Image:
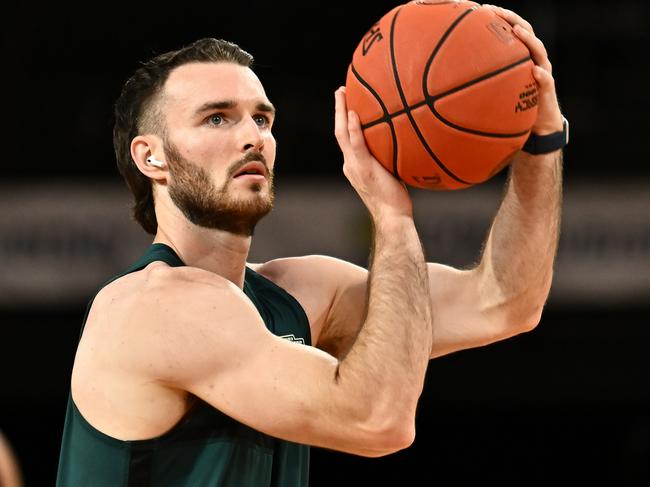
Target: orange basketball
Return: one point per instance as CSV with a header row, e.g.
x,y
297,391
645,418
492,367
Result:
x,y
445,93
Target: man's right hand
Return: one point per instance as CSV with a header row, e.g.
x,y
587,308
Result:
x,y
380,191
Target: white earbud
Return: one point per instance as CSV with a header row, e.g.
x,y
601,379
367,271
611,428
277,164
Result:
x,y
152,161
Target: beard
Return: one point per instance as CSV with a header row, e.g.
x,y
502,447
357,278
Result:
x,y
205,205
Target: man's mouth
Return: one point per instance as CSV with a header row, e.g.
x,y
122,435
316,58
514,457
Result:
x,y
253,168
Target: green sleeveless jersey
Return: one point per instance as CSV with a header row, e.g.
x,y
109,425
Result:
x,y
206,448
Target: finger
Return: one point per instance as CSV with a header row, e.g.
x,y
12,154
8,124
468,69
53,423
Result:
x,y
511,17
536,47
357,140
551,121
544,79
341,119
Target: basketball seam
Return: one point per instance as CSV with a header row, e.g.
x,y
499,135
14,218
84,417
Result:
x,y
389,121
432,100
467,84
434,53
389,116
403,98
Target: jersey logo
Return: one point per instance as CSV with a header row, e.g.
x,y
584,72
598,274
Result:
x,y
293,338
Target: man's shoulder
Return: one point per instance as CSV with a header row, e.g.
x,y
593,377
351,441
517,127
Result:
x,y
315,281
291,270
159,276
160,283
159,305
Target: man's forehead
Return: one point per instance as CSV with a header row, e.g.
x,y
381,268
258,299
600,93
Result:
x,y
191,85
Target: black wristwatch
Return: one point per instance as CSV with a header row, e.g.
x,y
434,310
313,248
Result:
x,y
543,144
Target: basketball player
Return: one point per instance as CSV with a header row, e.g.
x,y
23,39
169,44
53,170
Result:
x,y
196,368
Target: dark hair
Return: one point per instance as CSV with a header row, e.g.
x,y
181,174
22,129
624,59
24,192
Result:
x,y
137,112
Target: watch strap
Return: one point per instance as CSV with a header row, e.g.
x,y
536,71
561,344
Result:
x,y
543,144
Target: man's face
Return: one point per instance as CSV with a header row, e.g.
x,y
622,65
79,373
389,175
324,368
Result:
x,y
219,145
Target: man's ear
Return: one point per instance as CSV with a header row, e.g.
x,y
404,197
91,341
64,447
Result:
x,y
144,149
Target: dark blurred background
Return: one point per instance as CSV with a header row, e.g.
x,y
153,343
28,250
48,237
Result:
x,y
566,404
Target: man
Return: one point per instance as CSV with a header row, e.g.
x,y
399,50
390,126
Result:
x,y
195,368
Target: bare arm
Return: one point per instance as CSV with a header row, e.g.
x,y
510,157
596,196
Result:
x,y
502,296
397,332
512,281
505,294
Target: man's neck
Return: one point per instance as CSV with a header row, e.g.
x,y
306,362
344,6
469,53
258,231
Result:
x,y
216,251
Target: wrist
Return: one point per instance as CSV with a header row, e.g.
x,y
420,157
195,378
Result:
x,y
547,139
392,223
389,213
556,124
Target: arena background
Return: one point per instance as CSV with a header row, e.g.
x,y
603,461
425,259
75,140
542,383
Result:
x,y
566,404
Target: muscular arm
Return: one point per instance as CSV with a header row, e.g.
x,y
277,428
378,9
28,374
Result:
x,y
519,253
364,403
504,295
513,278
397,332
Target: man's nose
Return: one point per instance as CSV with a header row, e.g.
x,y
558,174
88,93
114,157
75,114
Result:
x,y
251,137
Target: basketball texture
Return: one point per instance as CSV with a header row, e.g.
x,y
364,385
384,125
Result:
x,y
445,93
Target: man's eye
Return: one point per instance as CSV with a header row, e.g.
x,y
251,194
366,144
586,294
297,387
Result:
x,y
262,120
215,119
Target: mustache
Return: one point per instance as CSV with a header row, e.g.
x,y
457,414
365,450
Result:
x,y
250,157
